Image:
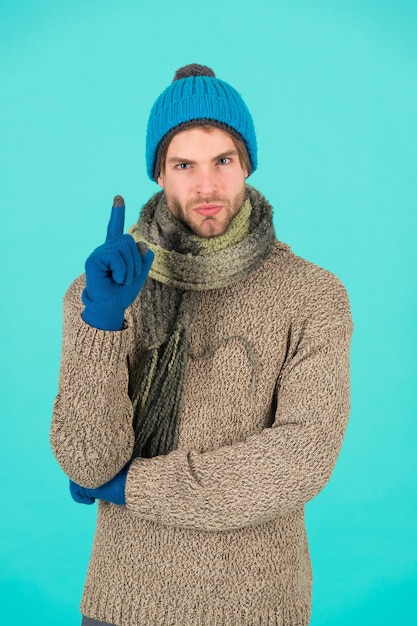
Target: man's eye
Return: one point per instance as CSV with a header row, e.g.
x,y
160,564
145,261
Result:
x,y
183,166
224,161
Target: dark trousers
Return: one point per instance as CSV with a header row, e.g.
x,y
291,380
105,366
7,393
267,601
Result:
x,y
87,621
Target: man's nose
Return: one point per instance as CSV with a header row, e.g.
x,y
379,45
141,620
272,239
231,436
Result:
x,y
206,182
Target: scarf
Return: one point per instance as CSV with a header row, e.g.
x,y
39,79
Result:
x,y
184,264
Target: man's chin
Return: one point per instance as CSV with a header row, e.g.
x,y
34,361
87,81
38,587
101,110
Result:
x,y
210,227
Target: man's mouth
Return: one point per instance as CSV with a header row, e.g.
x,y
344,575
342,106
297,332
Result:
x,y
208,209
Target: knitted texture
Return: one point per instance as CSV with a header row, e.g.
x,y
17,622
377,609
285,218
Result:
x,y
191,268
202,99
212,533
184,265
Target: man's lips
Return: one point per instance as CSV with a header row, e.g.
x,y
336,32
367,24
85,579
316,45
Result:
x,y
208,209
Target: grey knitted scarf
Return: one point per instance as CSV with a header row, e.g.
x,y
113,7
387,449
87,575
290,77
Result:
x,y
184,265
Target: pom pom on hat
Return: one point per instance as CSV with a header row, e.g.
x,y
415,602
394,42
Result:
x,y
195,97
194,69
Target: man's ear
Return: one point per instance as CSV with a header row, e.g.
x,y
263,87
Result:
x,y
160,181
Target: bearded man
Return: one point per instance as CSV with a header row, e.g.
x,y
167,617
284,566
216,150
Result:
x,y
204,386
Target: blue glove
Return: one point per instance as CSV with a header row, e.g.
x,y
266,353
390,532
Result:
x,y
115,273
113,491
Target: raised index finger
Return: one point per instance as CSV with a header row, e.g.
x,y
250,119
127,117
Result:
x,y
117,219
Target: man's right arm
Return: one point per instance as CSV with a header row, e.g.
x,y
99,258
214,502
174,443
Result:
x,y
91,433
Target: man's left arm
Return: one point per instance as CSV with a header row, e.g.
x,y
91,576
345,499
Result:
x,y
270,473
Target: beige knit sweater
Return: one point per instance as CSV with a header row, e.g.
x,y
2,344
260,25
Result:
x,y
213,533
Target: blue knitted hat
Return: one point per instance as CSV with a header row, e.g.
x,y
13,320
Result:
x,y
196,97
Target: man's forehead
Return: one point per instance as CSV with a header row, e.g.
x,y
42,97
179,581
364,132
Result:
x,y
201,138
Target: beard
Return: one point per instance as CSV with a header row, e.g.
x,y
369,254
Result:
x,y
207,226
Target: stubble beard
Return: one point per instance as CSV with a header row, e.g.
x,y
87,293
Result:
x,y
210,226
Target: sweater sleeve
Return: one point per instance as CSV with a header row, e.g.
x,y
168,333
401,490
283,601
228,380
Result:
x,y
91,432
277,470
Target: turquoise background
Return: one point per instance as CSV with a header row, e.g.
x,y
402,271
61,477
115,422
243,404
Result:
x,y
332,87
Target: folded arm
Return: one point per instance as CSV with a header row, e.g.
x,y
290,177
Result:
x,y
271,473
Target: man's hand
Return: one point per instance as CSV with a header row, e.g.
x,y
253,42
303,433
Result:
x,y
115,273
113,491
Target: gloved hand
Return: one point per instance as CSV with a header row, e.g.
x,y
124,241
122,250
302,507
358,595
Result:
x,y
115,273
113,491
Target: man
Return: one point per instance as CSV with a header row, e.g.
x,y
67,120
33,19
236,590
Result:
x,y
204,386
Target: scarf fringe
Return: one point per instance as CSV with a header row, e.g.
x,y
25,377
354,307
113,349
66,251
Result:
x,y
156,426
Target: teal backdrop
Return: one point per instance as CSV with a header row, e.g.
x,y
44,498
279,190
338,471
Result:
x,y
332,86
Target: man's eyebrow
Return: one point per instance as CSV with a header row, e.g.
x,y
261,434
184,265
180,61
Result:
x,y
178,159
222,155
228,153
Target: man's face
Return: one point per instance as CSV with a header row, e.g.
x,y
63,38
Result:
x,y
203,180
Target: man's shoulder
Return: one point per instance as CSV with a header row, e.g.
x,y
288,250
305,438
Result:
x,y
303,284
286,262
